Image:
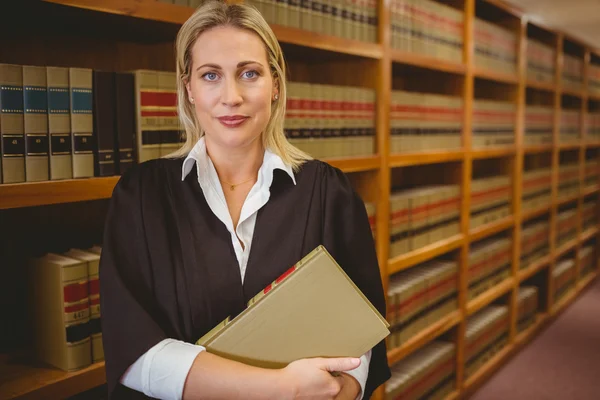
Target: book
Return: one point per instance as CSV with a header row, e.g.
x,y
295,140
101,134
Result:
x,y
312,310
60,311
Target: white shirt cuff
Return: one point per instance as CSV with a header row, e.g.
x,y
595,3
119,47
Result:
x,y
361,373
161,371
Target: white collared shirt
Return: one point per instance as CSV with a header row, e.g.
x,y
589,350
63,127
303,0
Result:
x,y
161,372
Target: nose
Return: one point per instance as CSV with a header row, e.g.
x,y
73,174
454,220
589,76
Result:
x,y
231,95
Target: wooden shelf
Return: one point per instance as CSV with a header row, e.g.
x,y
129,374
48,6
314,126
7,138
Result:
x,y
453,396
488,368
591,190
330,43
355,164
20,380
572,92
29,194
164,12
592,145
594,96
529,333
566,200
550,87
527,215
570,245
489,296
430,157
491,229
145,9
495,76
423,254
570,146
564,302
431,63
534,268
541,148
493,153
588,234
423,337
581,285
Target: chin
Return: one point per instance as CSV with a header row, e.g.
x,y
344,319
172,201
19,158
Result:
x,y
234,139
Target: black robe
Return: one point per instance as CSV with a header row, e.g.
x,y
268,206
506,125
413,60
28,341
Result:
x,y
168,268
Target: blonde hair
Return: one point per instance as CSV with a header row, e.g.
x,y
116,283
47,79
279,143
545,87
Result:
x,y
213,14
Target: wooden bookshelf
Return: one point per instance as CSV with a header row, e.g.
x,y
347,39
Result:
x,y
550,87
25,380
430,157
55,192
423,254
424,337
426,62
377,67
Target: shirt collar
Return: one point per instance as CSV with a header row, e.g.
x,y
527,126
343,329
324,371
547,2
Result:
x,y
198,155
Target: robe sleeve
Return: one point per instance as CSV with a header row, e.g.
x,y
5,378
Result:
x,y
347,236
129,314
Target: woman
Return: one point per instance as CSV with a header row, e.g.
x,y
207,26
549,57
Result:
x,y
191,238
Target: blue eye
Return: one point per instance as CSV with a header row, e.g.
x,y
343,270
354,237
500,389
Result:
x,y
250,74
210,76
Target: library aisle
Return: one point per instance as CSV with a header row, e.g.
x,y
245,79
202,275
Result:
x,y
561,363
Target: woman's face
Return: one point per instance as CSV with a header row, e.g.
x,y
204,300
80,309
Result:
x,y
231,86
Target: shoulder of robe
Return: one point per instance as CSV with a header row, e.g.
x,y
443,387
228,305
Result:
x,y
149,175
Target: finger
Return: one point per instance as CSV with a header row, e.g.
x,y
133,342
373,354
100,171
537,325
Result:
x,y
341,364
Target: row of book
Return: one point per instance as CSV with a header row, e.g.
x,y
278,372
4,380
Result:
x,y
490,200
587,261
425,121
535,242
566,226
592,172
493,123
527,307
594,78
541,61
427,373
539,124
427,28
330,121
348,19
49,128
563,275
422,216
572,72
537,188
593,126
495,47
489,264
65,308
486,334
570,126
419,297
568,180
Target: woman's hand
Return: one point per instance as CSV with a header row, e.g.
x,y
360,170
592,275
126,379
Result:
x,y
311,378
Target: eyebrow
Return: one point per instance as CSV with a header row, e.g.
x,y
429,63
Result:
x,y
241,64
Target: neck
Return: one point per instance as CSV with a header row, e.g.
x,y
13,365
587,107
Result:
x,y
236,165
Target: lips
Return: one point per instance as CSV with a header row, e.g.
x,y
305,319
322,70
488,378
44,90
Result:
x,y
232,121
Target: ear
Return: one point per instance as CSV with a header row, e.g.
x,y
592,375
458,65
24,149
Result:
x,y
188,87
275,87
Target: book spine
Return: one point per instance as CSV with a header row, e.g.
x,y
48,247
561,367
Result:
x,y
35,101
104,123
59,123
82,126
11,126
125,120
